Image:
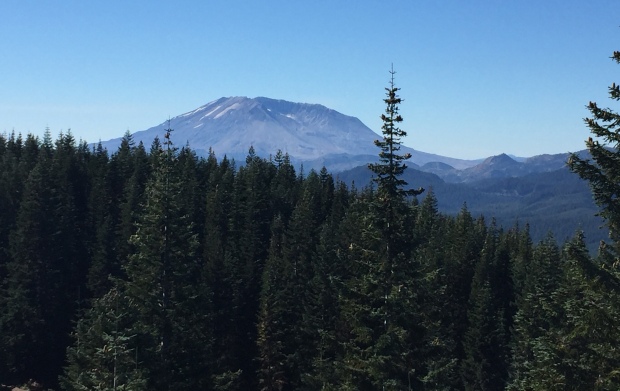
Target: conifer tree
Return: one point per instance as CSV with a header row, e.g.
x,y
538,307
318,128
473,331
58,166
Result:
x,y
596,322
390,167
537,316
163,291
290,272
439,307
274,325
29,282
380,305
245,256
284,189
592,321
227,366
105,354
323,309
192,188
130,197
466,238
486,338
102,225
12,179
603,172
45,272
29,154
165,282
573,347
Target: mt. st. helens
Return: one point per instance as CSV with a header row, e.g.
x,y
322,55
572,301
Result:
x,y
311,134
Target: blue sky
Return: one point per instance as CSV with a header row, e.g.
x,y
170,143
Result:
x,y
478,77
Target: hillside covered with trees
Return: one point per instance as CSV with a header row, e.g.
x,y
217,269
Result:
x,y
159,270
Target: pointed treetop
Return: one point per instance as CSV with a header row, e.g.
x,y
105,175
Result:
x,y
391,166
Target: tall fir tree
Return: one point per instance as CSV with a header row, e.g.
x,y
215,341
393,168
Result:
x,y
380,305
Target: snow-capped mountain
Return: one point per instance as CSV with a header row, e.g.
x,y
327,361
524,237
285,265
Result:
x,y
311,134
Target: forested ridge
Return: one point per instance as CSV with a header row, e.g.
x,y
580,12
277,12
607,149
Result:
x,y
159,270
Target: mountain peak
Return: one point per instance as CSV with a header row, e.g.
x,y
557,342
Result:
x,y
309,133
499,159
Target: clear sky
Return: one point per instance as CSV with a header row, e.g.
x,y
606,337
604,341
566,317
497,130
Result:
x,y
478,77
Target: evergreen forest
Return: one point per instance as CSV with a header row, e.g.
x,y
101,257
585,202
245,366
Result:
x,y
150,268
